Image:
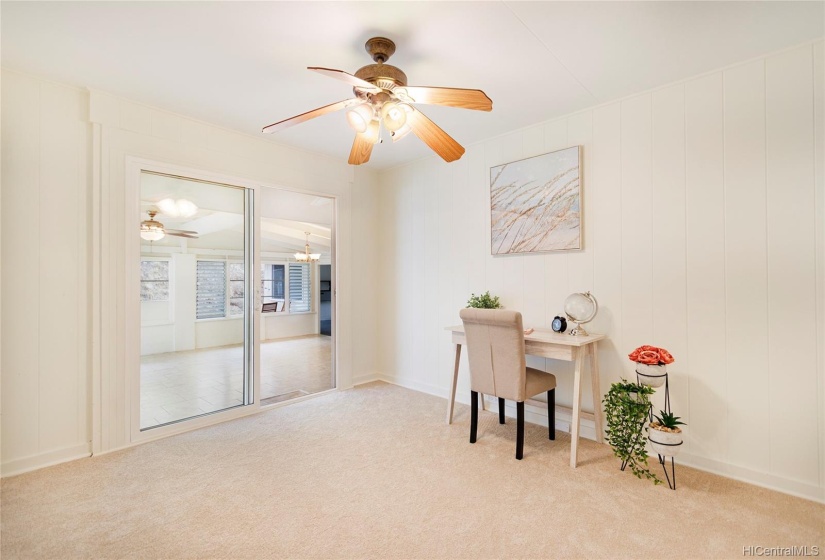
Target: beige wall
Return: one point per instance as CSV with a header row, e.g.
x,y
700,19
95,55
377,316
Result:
x,y
70,333
703,234
45,314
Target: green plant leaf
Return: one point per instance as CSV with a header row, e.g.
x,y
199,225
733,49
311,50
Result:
x,y
484,301
627,406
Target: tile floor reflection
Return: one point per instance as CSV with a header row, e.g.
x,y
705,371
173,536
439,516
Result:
x,y
178,385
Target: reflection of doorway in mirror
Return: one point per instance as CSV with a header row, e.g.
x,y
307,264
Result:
x,y
296,351
325,297
193,285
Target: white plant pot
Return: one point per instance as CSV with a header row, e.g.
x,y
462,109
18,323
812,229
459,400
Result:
x,y
666,444
651,375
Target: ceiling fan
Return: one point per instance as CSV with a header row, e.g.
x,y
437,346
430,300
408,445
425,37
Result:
x,y
153,230
383,96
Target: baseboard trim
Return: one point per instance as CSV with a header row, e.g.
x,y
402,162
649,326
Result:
x,y
750,476
588,430
43,460
365,378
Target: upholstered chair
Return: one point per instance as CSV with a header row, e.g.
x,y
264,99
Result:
x,y
495,347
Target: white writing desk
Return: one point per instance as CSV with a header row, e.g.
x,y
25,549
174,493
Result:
x,y
558,346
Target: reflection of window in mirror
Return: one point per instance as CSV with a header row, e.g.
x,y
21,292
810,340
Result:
x,y
236,288
210,294
273,287
276,290
300,288
154,280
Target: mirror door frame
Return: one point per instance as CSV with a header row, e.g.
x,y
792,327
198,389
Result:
x,y
134,166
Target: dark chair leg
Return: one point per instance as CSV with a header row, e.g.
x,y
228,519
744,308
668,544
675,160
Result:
x,y
473,416
500,410
519,430
551,413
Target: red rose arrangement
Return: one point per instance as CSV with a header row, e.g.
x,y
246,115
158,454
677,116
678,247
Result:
x,y
650,355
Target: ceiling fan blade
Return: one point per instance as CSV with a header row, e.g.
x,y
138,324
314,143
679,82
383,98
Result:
x,y
181,234
180,231
303,117
431,134
345,77
361,150
451,97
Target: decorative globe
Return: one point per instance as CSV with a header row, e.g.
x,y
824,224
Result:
x,y
581,308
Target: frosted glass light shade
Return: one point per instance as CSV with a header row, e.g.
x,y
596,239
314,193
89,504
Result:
x,y
401,133
394,116
373,131
359,117
152,234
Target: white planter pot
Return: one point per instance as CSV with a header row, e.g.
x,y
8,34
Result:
x,y
651,375
666,444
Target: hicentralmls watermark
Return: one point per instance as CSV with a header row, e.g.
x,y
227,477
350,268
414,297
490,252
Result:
x,y
780,551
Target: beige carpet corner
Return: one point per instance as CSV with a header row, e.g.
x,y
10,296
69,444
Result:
x,y
374,472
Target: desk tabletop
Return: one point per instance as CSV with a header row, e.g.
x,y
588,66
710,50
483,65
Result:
x,y
548,336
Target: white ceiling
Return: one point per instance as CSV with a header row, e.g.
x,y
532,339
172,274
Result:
x,y
243,64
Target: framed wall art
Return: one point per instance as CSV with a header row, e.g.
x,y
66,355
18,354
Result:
x,y
535,204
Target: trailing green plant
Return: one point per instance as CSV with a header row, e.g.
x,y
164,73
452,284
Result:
x,y
668,420
484,301
626,408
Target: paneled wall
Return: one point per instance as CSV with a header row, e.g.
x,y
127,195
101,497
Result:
x,y
45,197
703,233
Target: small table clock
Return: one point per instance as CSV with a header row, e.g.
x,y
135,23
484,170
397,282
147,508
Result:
x,y
559,324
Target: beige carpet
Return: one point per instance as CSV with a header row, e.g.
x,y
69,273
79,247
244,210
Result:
x,y
375,472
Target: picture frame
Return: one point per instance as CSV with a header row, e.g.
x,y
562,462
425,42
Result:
x,y
535,204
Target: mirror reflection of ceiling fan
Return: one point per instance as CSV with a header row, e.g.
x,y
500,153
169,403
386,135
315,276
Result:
x,y
153,230
382,96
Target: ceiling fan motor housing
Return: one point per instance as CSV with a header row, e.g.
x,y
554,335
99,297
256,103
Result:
x,y
382,75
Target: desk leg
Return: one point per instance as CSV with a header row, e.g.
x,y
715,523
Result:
x,y
577,404
597,392
451,403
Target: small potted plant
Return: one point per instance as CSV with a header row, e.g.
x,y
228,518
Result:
x,y
626,409
665,435
484,301
651,364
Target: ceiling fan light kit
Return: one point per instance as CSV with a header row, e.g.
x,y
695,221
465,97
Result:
x,y
151,233
153,230
383,97
360,116
394,116
401,133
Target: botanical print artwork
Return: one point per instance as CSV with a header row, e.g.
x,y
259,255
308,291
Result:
x,y
535,204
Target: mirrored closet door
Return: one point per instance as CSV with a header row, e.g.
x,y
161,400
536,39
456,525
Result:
x,y
195,298
297,295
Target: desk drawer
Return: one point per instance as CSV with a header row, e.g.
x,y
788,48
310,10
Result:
x,y
545,350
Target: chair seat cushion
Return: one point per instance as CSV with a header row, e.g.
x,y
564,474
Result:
x,y
539,382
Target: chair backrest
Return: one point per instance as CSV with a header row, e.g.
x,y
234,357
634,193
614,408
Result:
x,y
495,347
